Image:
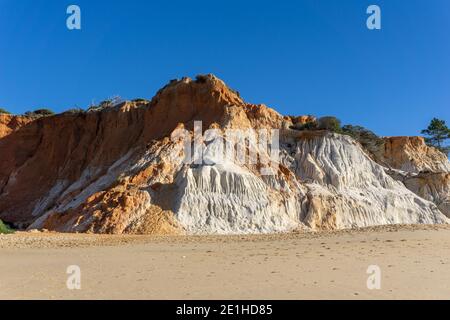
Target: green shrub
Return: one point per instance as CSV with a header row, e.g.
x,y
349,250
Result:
x,y
108,103
311,125
4,229
93,108
4,111
74,111
325,123
329,123
369,140
201,78
102,105
40,113
140,100
44,112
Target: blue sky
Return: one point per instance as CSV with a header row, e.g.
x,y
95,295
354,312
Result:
x,y
299,57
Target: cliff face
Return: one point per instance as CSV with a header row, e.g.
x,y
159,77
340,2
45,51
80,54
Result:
x,y
9,123
411,154
422,169
119,171
41,157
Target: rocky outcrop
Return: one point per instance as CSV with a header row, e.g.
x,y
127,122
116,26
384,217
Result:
x,y
120,170
346,188
411,154
10,123
422,169
47,155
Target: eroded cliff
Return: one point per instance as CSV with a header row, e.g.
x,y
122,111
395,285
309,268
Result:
x,y
119,170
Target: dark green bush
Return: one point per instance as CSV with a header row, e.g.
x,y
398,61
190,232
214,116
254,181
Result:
x,y
93,108
140,100
201,78
40,113
4,111
4,229
44,112
311,125
329,123
369,140
105,104
325,123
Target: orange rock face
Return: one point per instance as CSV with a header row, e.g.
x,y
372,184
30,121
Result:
x,y
426,169
43,151
412,154
302,119
10,123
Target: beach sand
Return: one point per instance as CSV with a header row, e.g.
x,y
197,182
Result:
x,y
414,262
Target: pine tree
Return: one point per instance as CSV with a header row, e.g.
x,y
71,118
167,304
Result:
x,y
437,133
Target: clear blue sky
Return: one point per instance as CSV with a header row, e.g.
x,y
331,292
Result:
x,y
299,57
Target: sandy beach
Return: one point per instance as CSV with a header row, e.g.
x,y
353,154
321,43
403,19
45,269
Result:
x,y
414,262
